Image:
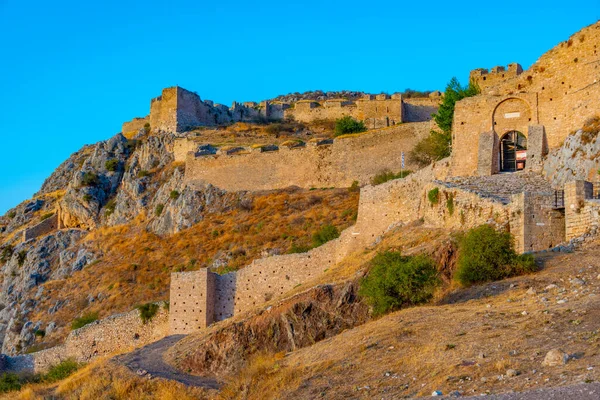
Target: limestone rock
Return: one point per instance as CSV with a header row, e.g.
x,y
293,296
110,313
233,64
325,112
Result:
x,y
555,357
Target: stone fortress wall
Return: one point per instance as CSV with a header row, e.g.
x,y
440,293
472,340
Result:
x,y
179,110
335,163
44,227
115,334
558,93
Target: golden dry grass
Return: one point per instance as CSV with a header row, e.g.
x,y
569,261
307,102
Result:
x,y
104,380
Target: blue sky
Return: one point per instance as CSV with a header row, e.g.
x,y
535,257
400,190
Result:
x,y
72,71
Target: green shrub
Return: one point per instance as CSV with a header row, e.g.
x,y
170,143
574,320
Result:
x,y
347,125
61,371
87,197
355,187
143,173
7,252
21,257
40,333
174,194
298,248
325,234
89,179
431,148
84,320
147,311
388,175
9,382
112,164
450,204
46,216
12,214
434,195
395,281
159,209
110,207
132,144
485,254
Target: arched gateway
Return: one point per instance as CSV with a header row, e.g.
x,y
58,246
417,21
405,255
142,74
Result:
x,y
513,152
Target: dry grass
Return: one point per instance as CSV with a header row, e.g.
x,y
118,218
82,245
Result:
x,y
467,345
104,380
136,264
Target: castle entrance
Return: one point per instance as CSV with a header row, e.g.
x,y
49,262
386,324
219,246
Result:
x,y
513,152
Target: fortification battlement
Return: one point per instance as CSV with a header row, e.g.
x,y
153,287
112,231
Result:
x,y
484,78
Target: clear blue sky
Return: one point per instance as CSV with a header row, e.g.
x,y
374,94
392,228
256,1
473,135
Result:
x,y
72,71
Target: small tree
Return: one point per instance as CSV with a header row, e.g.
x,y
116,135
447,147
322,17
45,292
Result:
x,y
89,179
112,164
395,281
347,125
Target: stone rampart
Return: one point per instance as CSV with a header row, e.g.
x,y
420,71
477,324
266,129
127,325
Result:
x,y
559,92
134,125
46,226
117,333
582,211
328,165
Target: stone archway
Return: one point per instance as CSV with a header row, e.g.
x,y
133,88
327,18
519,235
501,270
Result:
x,y
512,152
511,114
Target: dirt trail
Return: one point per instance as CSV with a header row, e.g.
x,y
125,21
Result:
x,y
148,361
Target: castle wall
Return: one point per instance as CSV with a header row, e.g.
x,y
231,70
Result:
x,y
559,92
133,126
192,302
46,226
181,147
115,334
419,109
336,165
582,212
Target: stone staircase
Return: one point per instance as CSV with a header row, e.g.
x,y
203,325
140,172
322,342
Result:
x,y
500,187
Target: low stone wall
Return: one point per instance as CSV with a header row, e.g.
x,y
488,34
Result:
x,y
134,125
331,165
581,210
117,333
46,226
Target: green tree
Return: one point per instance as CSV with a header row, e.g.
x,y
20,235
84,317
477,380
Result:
x,y
439,143
348,124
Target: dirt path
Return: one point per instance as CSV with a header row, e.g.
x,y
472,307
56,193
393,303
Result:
x,y
587,391
148,361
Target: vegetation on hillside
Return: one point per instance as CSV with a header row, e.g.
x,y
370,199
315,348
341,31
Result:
x,y
395,281
438,144
488,255
388,175
347,124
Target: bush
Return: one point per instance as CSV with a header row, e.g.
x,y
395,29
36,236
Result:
x,y
159,209
110,207
21,257
147,311
355,187
387,175
84,320
432,148
61,371
450,204
324,235
174,195
9,382
7,252
298,248
40,333
112,164
87,197
395,281
347,125
143,173
12,214
434,195
89,179
46,216
485,254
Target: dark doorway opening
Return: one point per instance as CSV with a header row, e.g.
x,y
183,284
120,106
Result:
x,y
513,152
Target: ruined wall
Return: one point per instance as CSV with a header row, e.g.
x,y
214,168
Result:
x,y
192,301
582,212
46,226
181,147
134,125
115,334
420,109
543,224
329,165
559,92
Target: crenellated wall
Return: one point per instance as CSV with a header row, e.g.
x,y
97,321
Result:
x,y
559,92
323,164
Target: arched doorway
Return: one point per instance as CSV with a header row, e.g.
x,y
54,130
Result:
x,y
513,152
